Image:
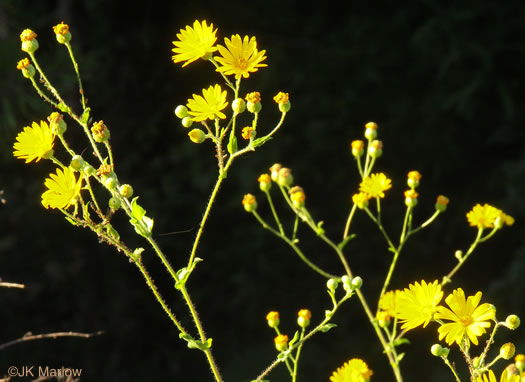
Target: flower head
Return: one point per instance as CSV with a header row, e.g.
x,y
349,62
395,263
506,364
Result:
x,y
272,318
62,33
358,147
417,304
375,185
24,65
413,178
248,132
487,216
441,203
361,200
505,377
63,189
240,56
281,342
194,43
355,370
249,202
209,105
29,41
303,318
468,319
35,142
253,97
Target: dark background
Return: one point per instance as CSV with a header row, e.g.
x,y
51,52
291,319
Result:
x,y
444,81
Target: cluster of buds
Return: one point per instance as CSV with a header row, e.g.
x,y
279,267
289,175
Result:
x,y
411,195
273,321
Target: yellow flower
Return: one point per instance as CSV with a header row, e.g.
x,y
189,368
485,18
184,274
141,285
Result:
x,y
194,43
281,342
23,63
248,132
388,302
61,28
361,200
253,97
281,98
27,35
63,189
209,106
505,377
487,216
375,185
355,370
240,56
35,142
417,304
468,319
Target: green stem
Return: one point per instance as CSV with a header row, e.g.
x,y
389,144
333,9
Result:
x,y
274,212
297,355
294,247
448,277
47,84
349,221
75,65
42,94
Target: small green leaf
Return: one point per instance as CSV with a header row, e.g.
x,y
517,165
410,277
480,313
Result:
x,y
196,344
143,225
260,141
327,327
232,143
400,357
320,229
282,356
401,341
63,107
342,244
294,339
85,115
112,232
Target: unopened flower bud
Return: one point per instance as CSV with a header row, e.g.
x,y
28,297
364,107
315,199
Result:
x,y
411,198
357,282
436,350
331,284
126,191
197,136
281,342
88,170
62,33
114,203
506,351
181,111
249,202
360,200
297,196
512,322
274,171
375,149
413,179
303,319
253,102
77,163
371,130
28,70
187,122
238,105
100,132
347,283
110,181
358,148
272,319
285,177
56,123
441,203
282,99
29,41
248,133
520,361
265,182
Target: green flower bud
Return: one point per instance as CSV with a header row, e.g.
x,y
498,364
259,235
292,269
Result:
x,y
285,107
126,191
265,182
114,203
347,283
303,319
441,203
29,72
357,282
371,130
249,202
436,350
272,319
77,163
512,322
181,111
197,136
88,170
375,149
331,284
238,105
285,177
63,38
253,107
274,171
110,181
62,33
187,122
506,351
100,132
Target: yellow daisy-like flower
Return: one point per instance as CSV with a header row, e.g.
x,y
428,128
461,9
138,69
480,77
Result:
x,y
240,56
417,304
483,216
35,142
505,377
63,189
355,370
375,185
468,319
194,43
209,106
388,302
